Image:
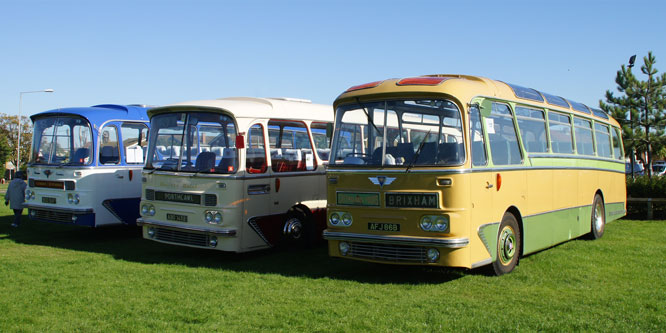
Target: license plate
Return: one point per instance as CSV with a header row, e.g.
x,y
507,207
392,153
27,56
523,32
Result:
x,y
373,226
176,217
48,200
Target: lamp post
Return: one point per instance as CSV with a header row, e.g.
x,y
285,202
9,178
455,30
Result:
x,y
18,144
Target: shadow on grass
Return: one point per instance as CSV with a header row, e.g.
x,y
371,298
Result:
x,y
126,243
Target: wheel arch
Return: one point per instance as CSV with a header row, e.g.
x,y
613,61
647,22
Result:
x,y
519,217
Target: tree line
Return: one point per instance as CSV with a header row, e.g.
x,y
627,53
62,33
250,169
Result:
x,y
9,139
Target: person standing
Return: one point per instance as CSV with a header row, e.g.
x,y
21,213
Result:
x,y
15,196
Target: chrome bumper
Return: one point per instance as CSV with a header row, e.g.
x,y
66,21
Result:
x,y
76,211
452,243
218,232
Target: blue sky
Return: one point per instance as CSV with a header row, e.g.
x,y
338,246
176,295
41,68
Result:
x,y
161,52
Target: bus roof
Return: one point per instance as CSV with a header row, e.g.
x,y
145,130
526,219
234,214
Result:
x,y
464,88
252,107
98,114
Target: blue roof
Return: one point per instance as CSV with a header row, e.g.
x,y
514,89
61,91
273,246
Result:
x,y
98,114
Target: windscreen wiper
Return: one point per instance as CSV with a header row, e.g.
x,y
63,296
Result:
x,y
418,152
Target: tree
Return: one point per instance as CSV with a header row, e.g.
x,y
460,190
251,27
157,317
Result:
x,y
9,130
4,154
640,110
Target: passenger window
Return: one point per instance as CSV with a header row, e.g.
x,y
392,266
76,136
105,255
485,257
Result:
x,y
560,133
617,144
603,140
321,141
583,131
532,125
479,157
256,150
135,139
109,152
504,148
291,150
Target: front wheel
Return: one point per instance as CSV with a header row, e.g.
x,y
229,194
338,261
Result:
x,y
508,245
598,219
298,229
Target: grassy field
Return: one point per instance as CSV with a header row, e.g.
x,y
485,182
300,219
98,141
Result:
x,y
62,278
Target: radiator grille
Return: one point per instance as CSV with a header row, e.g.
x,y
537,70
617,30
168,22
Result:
x,y
52,216
181,237
150,194
210,200
387,252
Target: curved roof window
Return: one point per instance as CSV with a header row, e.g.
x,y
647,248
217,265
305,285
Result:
x,y
579,106
526,93
600,113
555,100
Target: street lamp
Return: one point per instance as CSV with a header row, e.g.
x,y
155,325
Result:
x,y
18,145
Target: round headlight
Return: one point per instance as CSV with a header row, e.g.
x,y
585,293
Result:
x,y
77,199
27,194
151,210
218,217
32,194
151,232
144,209
441,223
347,219
335,218
209,216
426,223
213,241
432,254
70,198
344,248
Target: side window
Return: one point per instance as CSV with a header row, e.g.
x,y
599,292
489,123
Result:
x,y
617,144
109,152
583,131
134,137
532,125
603,140
559,125
321,141
479,157
504,148
256,150
290,146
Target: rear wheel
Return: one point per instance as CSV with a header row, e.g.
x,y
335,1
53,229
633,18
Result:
x,y
508,245
598,219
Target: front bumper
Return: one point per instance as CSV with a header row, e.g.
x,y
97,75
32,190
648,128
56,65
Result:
x,y
452,243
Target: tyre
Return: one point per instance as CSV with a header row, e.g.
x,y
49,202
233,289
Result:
x,y
298,229
508,245
598,219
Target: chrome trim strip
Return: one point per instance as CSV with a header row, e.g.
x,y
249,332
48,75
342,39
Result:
x,y
61,210
528,168
443,172
452,243
578,157
399,171
482,263
219,232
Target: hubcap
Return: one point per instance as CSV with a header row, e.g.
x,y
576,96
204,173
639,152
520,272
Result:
x,y
293,228
507,245
598,217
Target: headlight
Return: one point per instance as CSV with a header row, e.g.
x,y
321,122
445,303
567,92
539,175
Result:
x,y
217,218
441,223
209,216
144,210
148,209
213,241
426,223
432,254
335,218
28,194
347,219
70,198
436,223
77,199
151,210
151,232
344,248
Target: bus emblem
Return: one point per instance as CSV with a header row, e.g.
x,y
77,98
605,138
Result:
x,y
381,180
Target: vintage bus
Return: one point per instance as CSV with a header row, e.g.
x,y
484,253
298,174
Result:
x,y
464,171
236,174
85,165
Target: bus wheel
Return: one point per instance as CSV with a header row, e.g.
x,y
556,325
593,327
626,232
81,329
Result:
x,y
297,228
508,245
598,218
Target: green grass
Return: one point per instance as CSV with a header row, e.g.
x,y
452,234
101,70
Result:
x,y
63,278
